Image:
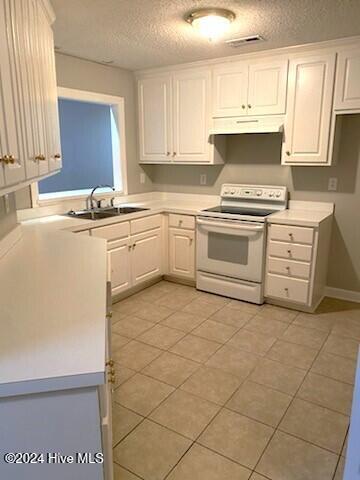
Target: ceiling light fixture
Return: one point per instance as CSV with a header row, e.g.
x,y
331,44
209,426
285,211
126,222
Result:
x,y
211,22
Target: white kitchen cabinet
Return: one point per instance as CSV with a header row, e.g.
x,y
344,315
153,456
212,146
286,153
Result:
x,y
134,251
192,116
230,90
30,140
267,87
243,88
11,157
155,123
347,90
120,267
146,256
174,119
182,253
308,118
296,264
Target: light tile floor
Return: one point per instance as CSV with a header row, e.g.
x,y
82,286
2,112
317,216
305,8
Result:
x,y
215,389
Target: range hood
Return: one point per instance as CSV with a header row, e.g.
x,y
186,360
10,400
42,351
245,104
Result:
x,y
238,125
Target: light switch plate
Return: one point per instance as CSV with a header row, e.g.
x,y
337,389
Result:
x,y
333,184
203,179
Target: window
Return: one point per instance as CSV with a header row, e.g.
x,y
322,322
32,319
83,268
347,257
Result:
x,y
92,143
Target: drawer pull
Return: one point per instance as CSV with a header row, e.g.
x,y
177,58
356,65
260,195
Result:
x,y
291,235
289,252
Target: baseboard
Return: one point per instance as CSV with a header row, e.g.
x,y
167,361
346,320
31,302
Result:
x,y
341,294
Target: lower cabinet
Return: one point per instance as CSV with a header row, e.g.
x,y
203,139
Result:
x,y
120,267
182,253
181,241
134,251
146,256
296,264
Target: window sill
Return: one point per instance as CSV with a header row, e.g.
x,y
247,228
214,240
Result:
x,y
62,197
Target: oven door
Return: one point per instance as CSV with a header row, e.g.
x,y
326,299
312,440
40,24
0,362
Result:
x,y
231,248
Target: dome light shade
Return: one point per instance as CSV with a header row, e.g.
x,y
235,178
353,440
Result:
x,y
211,22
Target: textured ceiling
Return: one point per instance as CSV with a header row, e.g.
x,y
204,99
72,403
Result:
x,y
137,34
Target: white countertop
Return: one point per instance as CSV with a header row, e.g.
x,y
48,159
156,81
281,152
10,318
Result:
x,y
52,312
302,218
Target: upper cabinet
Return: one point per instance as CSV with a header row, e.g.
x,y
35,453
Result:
x,y
29,124
155,123
347,92
243,88
191,116
174,118
309,108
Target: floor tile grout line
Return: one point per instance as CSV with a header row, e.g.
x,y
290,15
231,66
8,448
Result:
x,y
124,468
284,414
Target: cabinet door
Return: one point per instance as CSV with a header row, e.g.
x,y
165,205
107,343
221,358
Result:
x,y
267,88
119,268
10,103
192,116
230,90
307,124
155,126
182,253
146,256
53,131
347,94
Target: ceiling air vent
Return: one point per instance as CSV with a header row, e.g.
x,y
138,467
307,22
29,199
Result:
x,y
239,42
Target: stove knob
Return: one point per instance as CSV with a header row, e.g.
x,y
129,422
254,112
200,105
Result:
x,y
271,194
226,192
232,192
259,193
278,194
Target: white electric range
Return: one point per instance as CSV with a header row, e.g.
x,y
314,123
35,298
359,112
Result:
x,y
231,240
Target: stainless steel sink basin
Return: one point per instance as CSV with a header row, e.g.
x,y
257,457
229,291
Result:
x,y
124,210
104,213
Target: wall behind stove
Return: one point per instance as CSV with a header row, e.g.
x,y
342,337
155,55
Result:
x,y
256,159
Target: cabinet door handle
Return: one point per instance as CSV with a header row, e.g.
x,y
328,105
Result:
x,y
243,107
57,155
174,154
40,157
167,154
249,106
288,153
134,245
191,241
129,247
7,159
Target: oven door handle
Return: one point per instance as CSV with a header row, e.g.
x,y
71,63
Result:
x,y
232,226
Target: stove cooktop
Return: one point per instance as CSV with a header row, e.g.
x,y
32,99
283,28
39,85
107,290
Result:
x,y
253,212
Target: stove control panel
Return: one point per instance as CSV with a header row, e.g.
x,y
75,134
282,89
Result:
x,y
255,192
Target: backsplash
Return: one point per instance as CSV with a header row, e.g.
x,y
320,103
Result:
x,y
7,220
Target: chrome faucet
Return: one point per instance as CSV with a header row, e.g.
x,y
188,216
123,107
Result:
x,y
90,199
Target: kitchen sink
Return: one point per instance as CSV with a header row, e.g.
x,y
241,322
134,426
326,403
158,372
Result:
x,y
104,213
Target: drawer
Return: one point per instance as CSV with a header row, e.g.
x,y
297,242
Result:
x,y
287,233
144,224
289,268
290,251
290,289
182,221
112,232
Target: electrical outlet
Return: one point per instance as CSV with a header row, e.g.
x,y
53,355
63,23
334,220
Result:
x,y
7,203
203,179
142,177
333,184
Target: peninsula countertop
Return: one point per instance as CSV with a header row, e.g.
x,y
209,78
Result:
x,y
52,312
